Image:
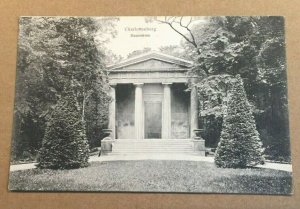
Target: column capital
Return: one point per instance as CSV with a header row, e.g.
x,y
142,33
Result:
x,y
138,84
166,83
192,88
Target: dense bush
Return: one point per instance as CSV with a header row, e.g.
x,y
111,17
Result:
x,y
253,47
52,51
64,145
240,145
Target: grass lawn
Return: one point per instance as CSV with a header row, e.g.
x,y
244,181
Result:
x,y
154,176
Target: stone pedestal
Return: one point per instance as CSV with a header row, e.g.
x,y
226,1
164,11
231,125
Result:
x,y
199,146
106,145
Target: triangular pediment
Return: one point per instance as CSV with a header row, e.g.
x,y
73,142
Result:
x,y
151,64
152,61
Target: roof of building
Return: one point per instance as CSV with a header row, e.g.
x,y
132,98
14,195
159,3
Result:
x,y
152,55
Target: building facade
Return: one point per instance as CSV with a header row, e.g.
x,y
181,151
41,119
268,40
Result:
x,y
151,99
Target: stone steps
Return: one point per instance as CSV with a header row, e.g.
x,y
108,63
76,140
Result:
x,y
149,149
144,146
150,153
151,145
154,147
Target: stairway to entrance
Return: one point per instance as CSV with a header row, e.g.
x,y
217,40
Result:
x,y
152,146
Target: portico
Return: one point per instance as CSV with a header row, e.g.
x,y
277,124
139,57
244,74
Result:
x,y
150,98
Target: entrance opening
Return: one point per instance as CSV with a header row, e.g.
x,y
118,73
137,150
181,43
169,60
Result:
x,y
153,119
180,103
125,111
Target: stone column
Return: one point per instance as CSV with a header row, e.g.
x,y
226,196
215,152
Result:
x,y
138,113
112,111
166,122
194,111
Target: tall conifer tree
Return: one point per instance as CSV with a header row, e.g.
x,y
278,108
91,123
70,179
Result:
x,y
64,145
240,145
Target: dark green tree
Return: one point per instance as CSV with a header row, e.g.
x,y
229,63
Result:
x,y
240,145
52,52
253,47
64,145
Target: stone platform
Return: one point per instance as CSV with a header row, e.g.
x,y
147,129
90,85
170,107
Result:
x,y
154,146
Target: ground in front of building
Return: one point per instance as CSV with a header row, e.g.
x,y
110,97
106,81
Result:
x,y
154,176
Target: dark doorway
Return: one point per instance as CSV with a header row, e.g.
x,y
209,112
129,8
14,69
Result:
x,y
153,119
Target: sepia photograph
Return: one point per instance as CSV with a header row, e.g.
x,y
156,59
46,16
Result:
x,y
169,104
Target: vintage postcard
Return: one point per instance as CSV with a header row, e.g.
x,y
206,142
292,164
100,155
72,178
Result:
x,y
152,104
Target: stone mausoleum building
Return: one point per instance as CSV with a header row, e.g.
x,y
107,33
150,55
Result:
x,y
152,109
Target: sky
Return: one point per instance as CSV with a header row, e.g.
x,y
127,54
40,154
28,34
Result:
x,y
134,33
